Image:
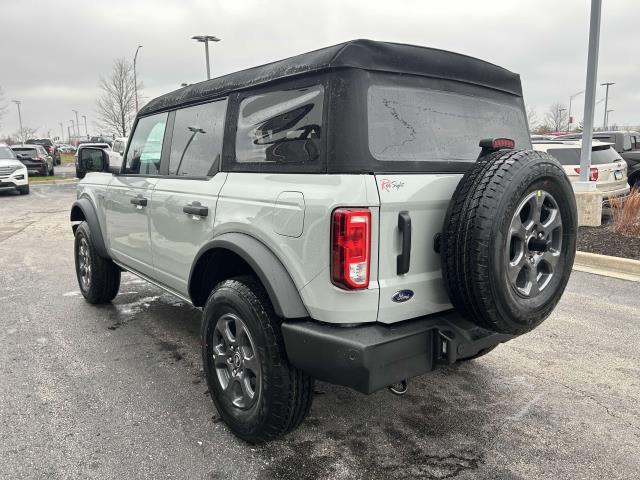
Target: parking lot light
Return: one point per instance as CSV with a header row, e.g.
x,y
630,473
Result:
x,y
135,77
18,102
605,123
590,97
206,39
77,123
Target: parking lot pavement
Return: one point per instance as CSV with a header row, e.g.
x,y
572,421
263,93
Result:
x,y
117,391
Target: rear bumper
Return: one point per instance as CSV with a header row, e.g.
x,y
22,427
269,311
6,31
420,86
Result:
x,y
372,356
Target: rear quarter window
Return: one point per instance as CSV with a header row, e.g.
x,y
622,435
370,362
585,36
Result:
x,y
417,124
280,130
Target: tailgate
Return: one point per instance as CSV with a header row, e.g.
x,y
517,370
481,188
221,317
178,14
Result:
x,y
422,200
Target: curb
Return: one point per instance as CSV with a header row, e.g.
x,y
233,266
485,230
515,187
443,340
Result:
x,y
624,268
55,182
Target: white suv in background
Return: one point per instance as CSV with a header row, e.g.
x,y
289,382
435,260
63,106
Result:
x,y
117,150
608,169
13,173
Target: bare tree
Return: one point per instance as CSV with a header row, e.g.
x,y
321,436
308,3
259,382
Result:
x,y
532,118
557,116
116,104
27,132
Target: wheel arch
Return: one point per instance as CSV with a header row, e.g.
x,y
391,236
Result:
x,y
83,210
233,254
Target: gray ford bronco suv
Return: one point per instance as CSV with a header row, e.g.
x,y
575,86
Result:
x,y
359,214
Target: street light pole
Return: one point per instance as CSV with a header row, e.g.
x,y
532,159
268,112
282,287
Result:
x,y
570,122
606,101
590,97
68,133
73,128
206,39
560,110
607,119
86,130
18,102
135,76
61,132
77,123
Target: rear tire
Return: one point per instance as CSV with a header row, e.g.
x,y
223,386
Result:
x,y
509,240
251,351
98,278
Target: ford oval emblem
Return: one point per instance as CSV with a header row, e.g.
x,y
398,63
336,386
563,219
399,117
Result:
x,y
402,296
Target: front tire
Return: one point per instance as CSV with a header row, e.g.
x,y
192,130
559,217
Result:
x,y
98,278
255,390
23,190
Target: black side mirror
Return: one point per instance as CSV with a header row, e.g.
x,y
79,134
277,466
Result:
x,y
94,160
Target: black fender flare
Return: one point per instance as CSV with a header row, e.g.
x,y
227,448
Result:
x,y
277,281
85,205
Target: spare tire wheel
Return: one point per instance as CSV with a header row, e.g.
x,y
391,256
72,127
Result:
x,y
509,240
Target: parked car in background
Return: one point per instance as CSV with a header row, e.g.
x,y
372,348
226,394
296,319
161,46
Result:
x,y
65,148
13,173
101,139
626,143
35,158
81,172
49,146
118,148
608,169
535,138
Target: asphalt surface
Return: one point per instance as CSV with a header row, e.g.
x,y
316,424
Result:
x,y
117,391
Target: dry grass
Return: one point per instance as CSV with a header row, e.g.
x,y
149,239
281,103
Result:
x,y
626,214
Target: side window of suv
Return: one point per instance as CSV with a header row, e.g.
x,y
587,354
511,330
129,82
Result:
x,y
280,128
196,143
143,156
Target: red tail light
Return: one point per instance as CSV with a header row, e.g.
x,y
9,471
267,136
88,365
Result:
x,y
351,248
593,173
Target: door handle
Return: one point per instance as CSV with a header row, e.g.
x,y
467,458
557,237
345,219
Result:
x,y
404,259
139,201
196,208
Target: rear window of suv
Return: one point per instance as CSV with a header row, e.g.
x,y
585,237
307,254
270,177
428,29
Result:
x,y
571,156
419,124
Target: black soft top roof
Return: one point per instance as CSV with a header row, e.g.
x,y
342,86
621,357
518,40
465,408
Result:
x,y
363,54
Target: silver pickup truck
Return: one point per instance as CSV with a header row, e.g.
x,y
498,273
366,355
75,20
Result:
x,y
360,214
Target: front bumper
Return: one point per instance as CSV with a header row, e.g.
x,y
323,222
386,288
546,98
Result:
x,y
15,180
373,356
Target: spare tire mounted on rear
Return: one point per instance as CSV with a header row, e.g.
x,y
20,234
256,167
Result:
x,y
509,239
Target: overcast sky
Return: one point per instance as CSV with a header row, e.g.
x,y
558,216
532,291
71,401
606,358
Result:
x,y
52,53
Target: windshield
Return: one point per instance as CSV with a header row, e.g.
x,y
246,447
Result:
x,y
571,156
6,152
419,124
